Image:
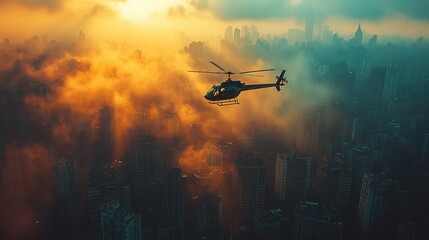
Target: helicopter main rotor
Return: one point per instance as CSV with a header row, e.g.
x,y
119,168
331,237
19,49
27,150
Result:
x,y
229,73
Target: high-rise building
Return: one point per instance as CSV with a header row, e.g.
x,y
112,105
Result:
x,y
376,203
106,116
391,81
170,205
237,36
309,25
229,36
208,212
292,179
119,223
63,173
338,184
245,32
270,224
313,221
308,132
254,34
106,183
148,158
357,39
251,184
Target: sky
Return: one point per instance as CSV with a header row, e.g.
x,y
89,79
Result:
x,y
113,18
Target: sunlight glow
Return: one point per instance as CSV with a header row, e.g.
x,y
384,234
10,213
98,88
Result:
x,y
141,10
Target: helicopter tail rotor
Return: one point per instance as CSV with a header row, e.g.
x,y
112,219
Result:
x,y
281,80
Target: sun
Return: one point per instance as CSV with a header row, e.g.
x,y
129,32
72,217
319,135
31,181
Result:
x,y
141,10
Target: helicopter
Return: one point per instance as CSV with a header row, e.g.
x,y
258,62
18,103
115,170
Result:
x,y
227,92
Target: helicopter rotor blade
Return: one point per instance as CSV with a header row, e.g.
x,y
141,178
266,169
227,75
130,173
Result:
x,y
252,75
218,66
207,72
262,70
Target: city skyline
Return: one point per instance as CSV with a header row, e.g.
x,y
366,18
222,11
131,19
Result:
x,y
104,134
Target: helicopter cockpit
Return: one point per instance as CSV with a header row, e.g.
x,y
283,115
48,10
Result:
x,y
215,91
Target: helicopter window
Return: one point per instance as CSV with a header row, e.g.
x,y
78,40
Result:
x,y
215,92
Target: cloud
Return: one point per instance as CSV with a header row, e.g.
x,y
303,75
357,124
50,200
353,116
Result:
x,y
362,10
48,4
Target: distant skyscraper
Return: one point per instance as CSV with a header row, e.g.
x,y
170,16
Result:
x,y
315,222
292,179
391,81
106,183
237,35
148,167
357,39
106,116
118,223
338,185
251,184
376,203
208,212
63,173
229,34
245,32
309,25
254,34
308,131
170,205
270,224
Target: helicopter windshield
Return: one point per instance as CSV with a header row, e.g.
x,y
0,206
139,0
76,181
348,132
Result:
x,y
214,90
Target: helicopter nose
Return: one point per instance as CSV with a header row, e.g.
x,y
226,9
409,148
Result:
x,y
207,96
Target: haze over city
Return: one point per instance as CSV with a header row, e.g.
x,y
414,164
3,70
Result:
x,y
106,135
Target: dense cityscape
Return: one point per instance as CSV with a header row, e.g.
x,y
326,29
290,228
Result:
x,y
350,162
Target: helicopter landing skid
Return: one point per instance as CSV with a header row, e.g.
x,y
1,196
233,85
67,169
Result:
x,y
228,102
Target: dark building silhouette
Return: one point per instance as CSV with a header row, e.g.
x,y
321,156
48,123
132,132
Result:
x,y
251,184
292,178
313,221
148,167
106,183
170,205
270,224
119,223
376,203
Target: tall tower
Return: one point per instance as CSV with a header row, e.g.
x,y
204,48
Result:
x,y
391,81
292,180
237,36
170,205
118,223
309,25
148,168
229,34
63,173
251,184
376,202
358,36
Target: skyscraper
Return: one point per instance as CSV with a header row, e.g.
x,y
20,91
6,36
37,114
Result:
x,y
170,205
357,39
251,184
63,173
148,167
237,36
118,223
229,34
309,23
315,222
376,202
391,81
292,179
